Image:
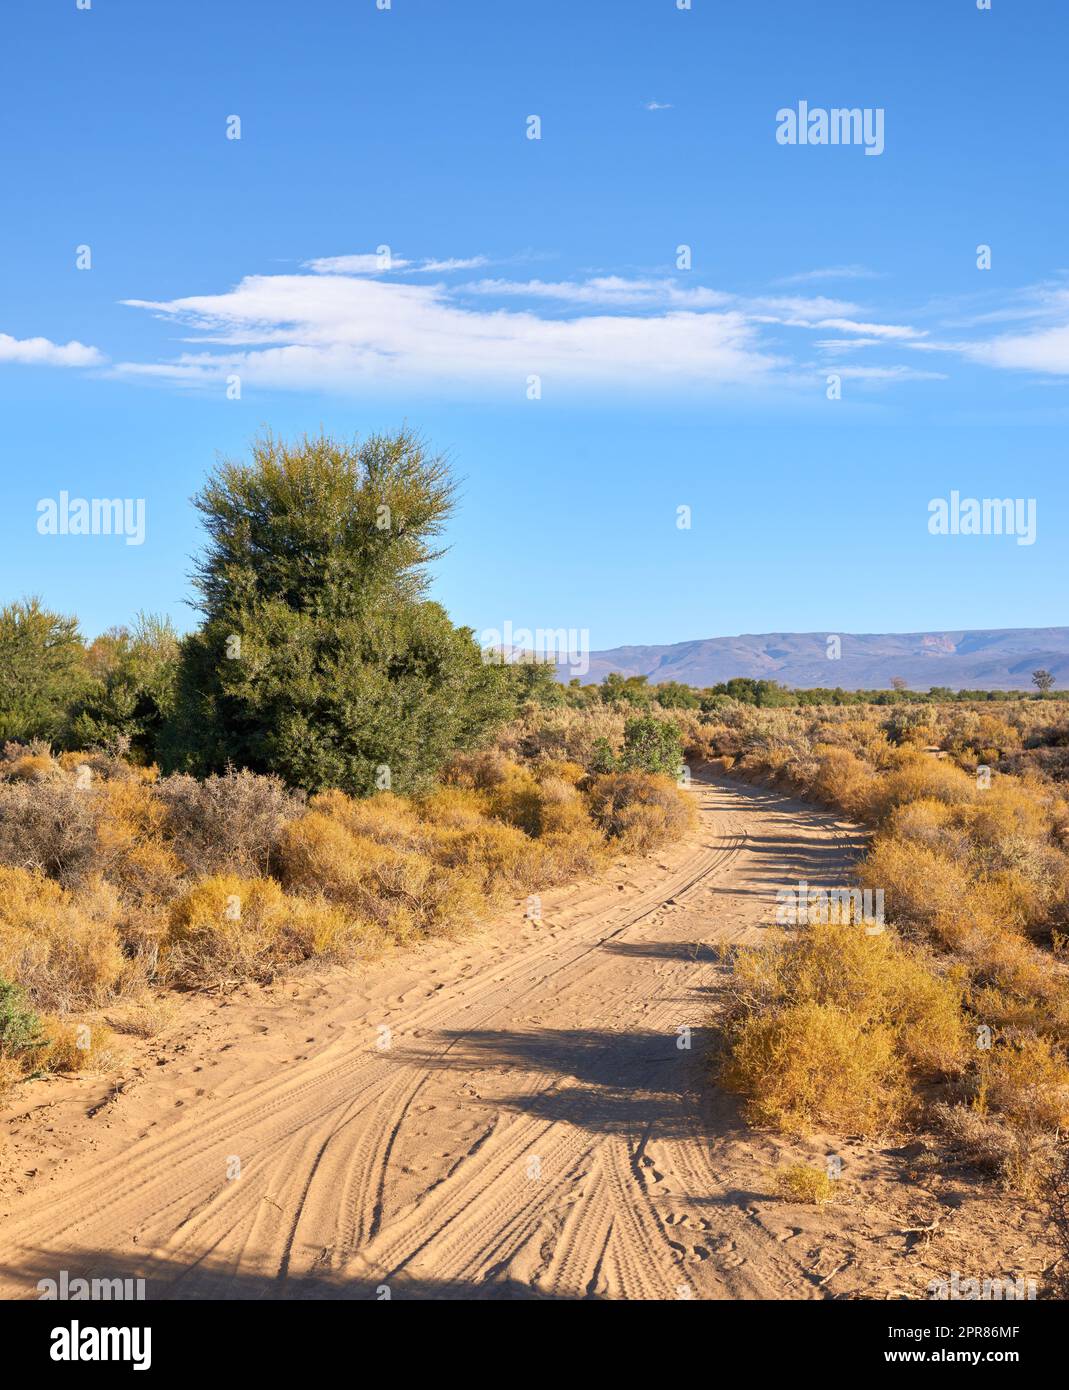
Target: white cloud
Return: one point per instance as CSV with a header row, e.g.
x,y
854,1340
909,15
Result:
x,y
831,272
887,374
606,290
658,106
462,263
1046,350
341,324
42,352
367,263
871,330
345,333
371,263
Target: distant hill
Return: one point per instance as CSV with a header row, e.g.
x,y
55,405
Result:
x,y
986,658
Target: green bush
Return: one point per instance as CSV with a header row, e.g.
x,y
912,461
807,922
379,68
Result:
x,y
42,670
652,745
320,659
20,1028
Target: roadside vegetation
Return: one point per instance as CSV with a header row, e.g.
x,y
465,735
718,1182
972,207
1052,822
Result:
x,y
953,1020
327,768
313,774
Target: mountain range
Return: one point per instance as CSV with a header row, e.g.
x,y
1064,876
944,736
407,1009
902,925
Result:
x,y
982,658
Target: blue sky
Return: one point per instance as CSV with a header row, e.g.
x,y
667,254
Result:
x,y
510,258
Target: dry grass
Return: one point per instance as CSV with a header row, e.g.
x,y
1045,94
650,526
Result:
x,y
113,882
800,1182
974,870
812,1065
64,950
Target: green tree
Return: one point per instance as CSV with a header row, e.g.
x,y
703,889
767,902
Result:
x,y
133,675
42,670
535,682
632,690
652,745
676,695
320,657
1042,680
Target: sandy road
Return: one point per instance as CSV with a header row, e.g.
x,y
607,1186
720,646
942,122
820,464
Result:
x,y
519,1114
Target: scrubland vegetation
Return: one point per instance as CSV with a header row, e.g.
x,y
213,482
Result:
x,y
956,1017
309,775
327,768
115,882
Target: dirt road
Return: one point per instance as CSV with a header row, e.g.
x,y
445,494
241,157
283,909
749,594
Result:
x,y
526,1113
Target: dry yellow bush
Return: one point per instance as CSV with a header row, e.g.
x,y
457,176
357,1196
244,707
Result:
x,y
877,979
228,928
61,948
11,1073
801,1182
132,847
923,889
72,1046
920,778
639,811
1026,1082
32,767
842,780
816,1066
401,890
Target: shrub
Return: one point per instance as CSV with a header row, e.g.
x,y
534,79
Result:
x,y
918,778
62,950
228,822
639,811
652,745
800,1182
923,890
20,1028
878,980
77,1047
842,780
49,826
1027,1082
813,1065
227,928
399,889
11,1074
131,845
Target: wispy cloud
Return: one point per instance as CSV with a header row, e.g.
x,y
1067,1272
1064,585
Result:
x,y
385,263
1044,350
872,330
42,352
345,332
658,105
365,263
606,290
896,372
831,272
347,324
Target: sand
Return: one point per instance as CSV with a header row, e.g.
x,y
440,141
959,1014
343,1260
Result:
x,y
525,1113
